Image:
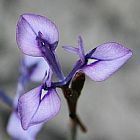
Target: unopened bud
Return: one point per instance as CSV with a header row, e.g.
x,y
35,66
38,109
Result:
x,y
78,82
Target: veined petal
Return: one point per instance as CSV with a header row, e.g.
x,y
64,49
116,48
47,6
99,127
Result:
x,y
41,67
26,38
28,105
108,51
48,108
28,27
101,70
16,131
34,109
44,25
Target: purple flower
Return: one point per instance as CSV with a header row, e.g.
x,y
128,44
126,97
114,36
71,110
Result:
x,y
38,36
16,131
39,104
38,67
29,67
101,62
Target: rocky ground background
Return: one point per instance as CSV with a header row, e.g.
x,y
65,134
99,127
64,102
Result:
x,y
110,109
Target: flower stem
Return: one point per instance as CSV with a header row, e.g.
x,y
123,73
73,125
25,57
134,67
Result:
x,y
75,120
73,132
72,94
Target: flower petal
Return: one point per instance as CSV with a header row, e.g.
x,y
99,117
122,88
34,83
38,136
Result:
x,y
33,109
77,50
41,68
48,108
81,49
71,49
101,70
108,51
15,130
26,38
28,27
28,105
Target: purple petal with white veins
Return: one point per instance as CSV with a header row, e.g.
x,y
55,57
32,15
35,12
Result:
x,y
16,131
108,51
101,70
28,27
34,109
41,68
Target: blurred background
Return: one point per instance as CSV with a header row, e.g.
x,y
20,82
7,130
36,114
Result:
x,y
110,109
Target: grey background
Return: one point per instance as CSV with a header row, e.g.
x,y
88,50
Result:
x,y
110,109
